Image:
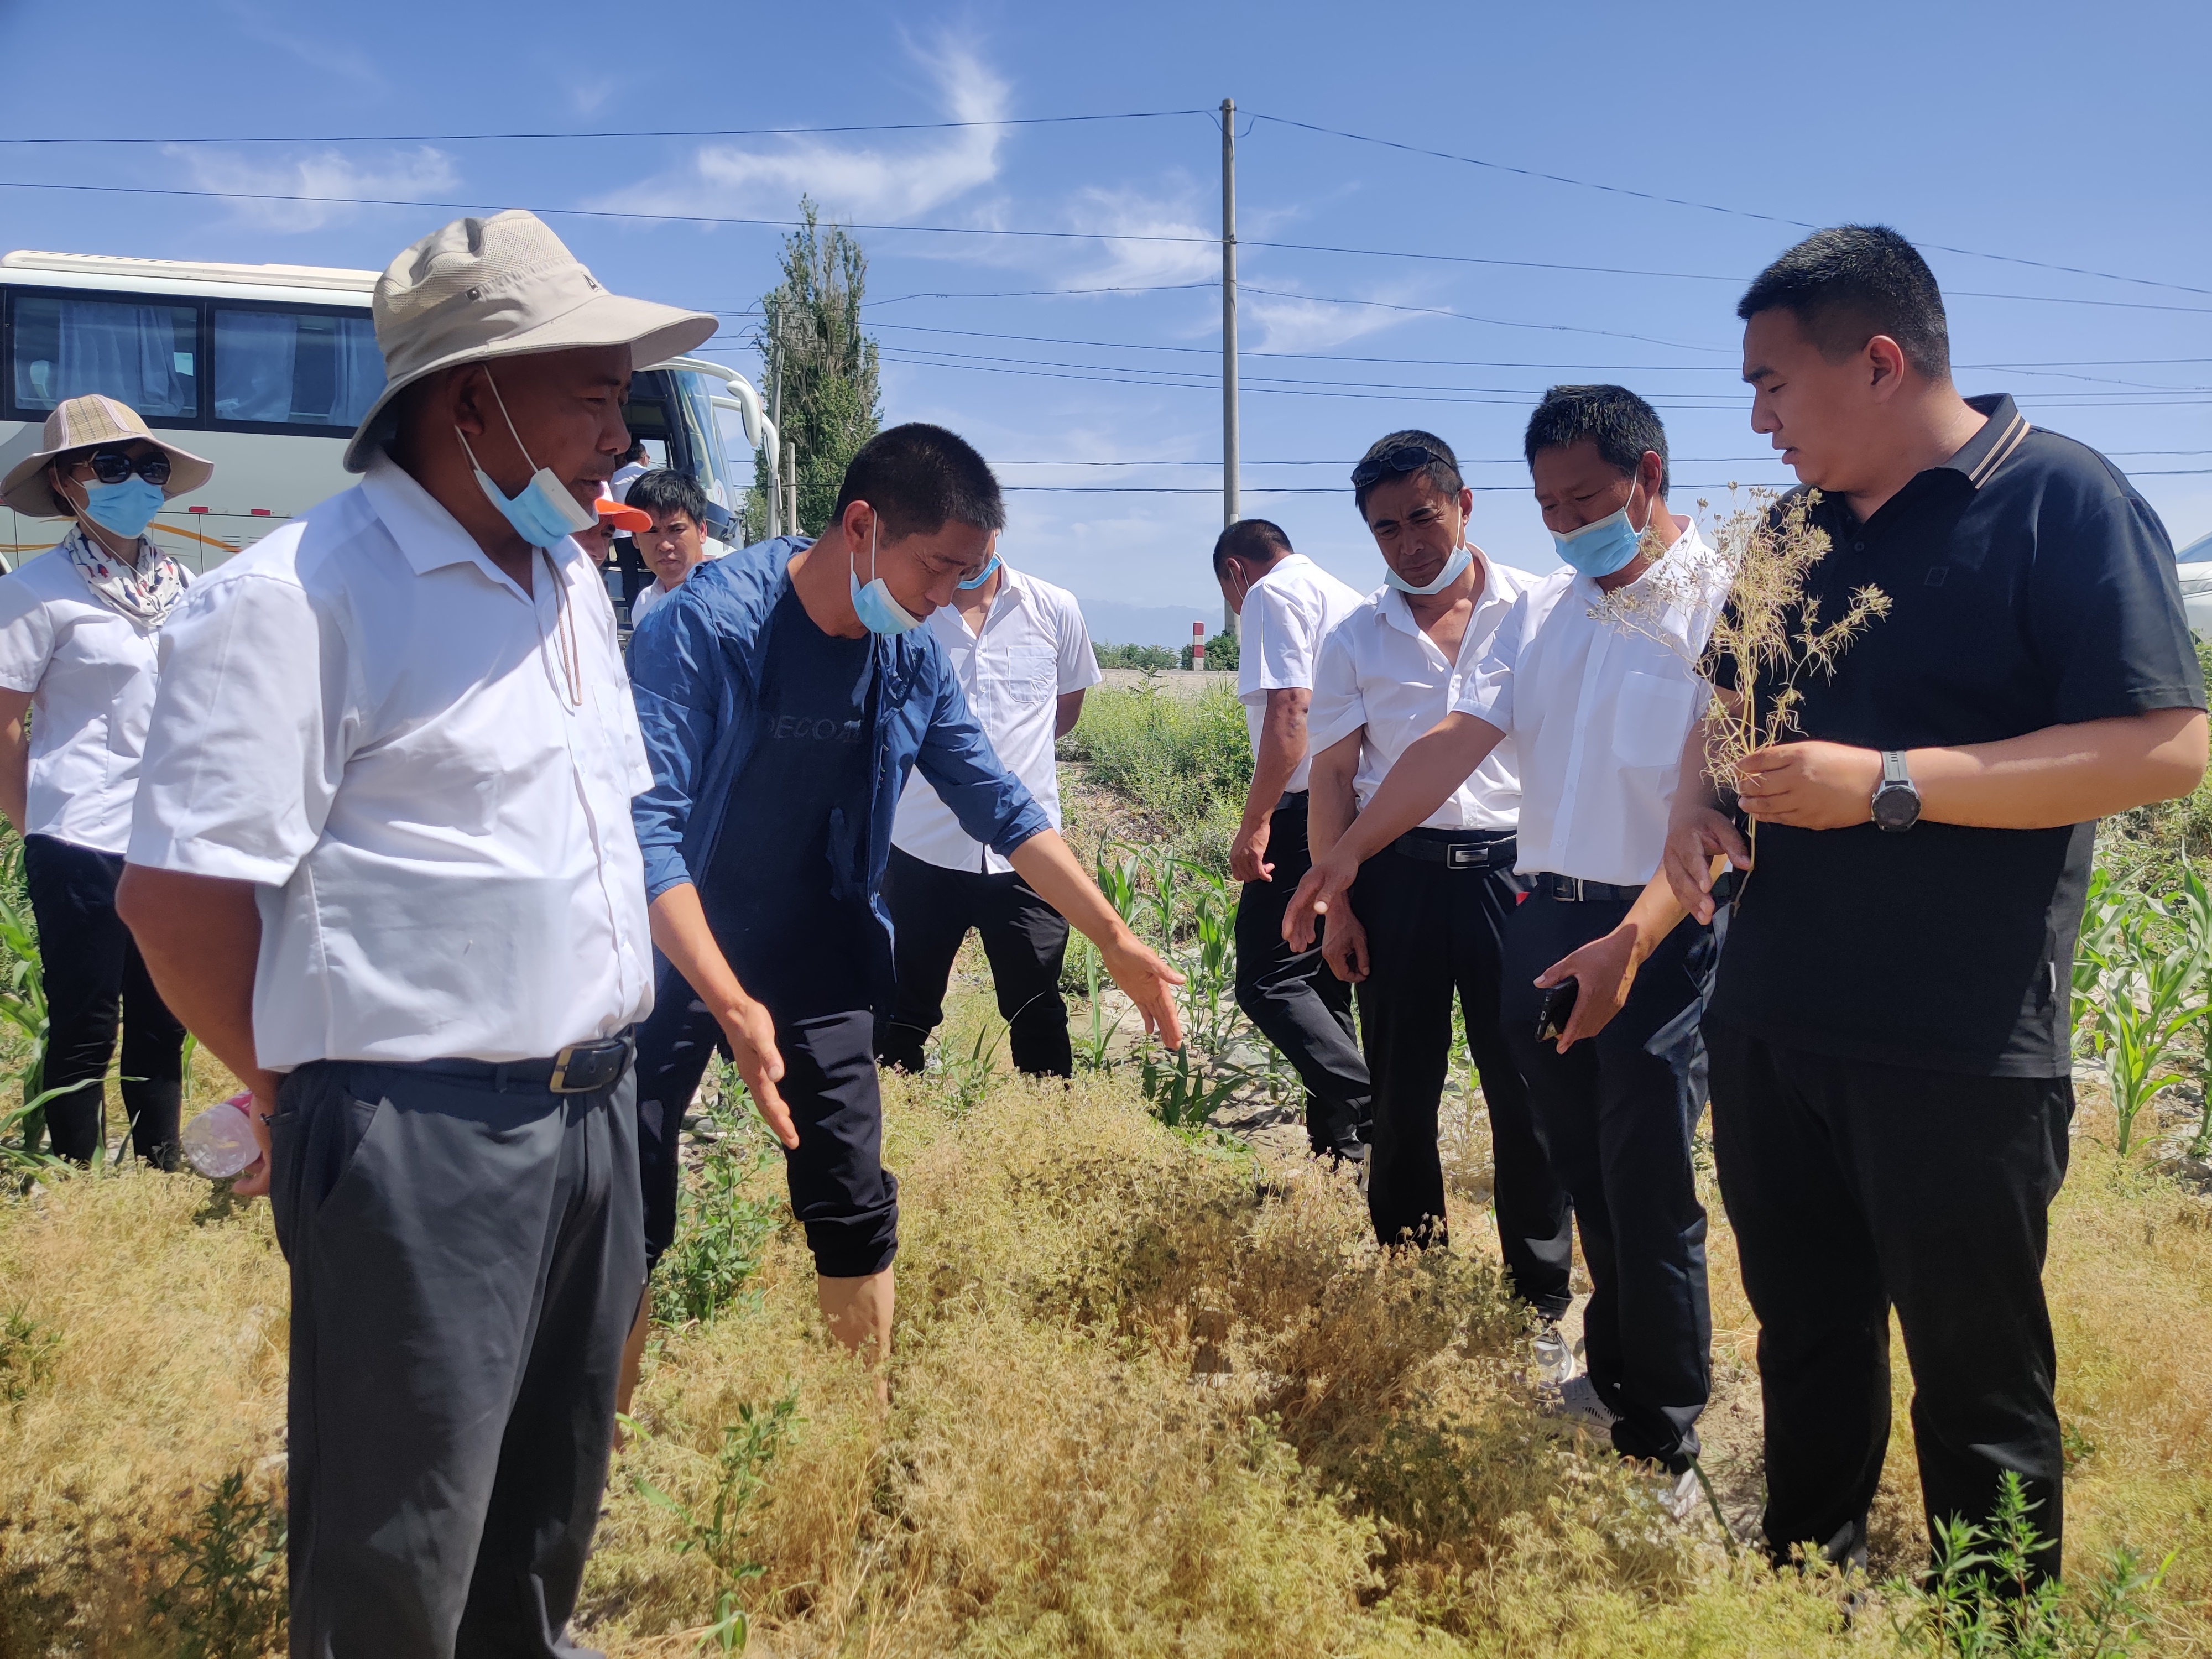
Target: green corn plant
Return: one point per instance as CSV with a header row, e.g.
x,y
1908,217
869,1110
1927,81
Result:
x,y
968,1076
2105,907
2190,908
23,995
1178,1090
2141,1007
718,1531
1209,1010
1117,879
1094,1052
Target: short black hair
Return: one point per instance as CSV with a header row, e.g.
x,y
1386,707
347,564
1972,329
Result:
x,y
1621,424
665,490
634,452
1443,473
1846,284
917,476
1260,541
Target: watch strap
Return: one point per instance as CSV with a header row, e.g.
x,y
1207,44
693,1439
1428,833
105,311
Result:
x,y
1893,768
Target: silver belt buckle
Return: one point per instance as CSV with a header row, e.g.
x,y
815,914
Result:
x,y
1466,855
1568,888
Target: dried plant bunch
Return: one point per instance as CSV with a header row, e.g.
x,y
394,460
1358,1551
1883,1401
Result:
x,y
1768,632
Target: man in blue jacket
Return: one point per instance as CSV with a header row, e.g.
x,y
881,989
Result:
x,y
784,692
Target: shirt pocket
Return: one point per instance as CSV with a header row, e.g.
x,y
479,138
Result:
x,y
1652,720
1032,675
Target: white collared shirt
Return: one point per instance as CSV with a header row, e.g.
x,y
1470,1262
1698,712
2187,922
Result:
x,y
91,672
1286,615
649,596
1380,674
365,718
1032,650
1598,693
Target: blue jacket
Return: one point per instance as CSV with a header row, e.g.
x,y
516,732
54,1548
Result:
x,y
695,670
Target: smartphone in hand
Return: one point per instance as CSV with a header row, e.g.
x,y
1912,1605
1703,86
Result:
x,y
1559,1008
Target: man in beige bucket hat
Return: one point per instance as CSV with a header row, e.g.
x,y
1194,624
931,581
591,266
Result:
x,y
383,864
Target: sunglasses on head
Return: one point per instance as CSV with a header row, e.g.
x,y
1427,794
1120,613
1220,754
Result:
x,y
1397,460
112,466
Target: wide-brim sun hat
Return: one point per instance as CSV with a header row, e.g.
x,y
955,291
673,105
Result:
x,y
86,422
478,289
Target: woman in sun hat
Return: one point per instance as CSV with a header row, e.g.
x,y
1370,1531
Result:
x,y
77,628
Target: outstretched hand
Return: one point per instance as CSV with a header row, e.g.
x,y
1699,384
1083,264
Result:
x,y
1148,983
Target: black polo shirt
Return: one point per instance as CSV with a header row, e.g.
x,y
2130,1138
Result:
x,y
2030,586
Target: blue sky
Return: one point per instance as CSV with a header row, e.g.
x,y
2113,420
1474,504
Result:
x,y
2067,136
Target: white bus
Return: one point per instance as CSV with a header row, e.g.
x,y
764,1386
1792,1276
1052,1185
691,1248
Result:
x,y
266,370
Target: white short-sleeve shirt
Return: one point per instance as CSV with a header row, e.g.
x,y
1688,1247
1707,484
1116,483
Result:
x,y
1033,650
91,672
1598,693
1381,675
426,772
1286,615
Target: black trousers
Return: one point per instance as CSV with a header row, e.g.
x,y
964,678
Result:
x,y
840,1190
1297,1004
465,1266
1433,931
1615,1114
96,981
1024,939
1854,1187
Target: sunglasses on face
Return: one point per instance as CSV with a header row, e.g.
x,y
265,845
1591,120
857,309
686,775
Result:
x,y
1397,460
112,466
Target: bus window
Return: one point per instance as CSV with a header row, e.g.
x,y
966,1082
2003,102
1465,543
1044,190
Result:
x,y
147,357
295,368
709,464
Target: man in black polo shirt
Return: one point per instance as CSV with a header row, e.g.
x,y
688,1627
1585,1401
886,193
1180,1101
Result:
x,y
1888,1034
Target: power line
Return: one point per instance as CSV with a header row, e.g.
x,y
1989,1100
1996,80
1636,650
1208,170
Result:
x,y
673,132
633,216
1706,207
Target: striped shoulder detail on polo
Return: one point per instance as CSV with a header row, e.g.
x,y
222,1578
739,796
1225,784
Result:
x,y
2008,441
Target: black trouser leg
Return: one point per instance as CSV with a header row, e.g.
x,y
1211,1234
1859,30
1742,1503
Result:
x,y
1025,940
1852,1186
1535,1218
1616,1120
931,913
1293,999
674,1048
1431,930
465,1266
95,981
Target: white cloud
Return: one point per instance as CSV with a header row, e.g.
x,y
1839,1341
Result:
x,y
866,181
1269,323
1192,255
402,175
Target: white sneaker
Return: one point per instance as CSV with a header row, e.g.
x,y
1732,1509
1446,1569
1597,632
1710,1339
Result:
x,y
1578,1398
1554,1363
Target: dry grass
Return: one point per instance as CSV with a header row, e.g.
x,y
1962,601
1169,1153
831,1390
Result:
x,y
1149,1398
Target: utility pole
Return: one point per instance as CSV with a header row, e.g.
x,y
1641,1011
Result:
x,y
775,419
1231,511
791,483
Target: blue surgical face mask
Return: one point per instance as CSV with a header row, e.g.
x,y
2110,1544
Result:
x,y
1603,547
1455,568
981,576
126,508
543,513
879,613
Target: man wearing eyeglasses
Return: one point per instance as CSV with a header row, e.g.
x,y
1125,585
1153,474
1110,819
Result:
x,y
1286,605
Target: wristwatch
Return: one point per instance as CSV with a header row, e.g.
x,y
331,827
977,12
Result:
x,y
1896,802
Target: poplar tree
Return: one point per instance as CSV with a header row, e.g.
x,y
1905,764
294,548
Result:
x,y
810,338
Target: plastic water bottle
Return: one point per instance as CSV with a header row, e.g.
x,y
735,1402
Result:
x,y
218,1142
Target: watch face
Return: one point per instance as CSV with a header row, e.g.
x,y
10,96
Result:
x,y
1896,806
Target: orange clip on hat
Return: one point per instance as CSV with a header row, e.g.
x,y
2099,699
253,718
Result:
x,y
632,519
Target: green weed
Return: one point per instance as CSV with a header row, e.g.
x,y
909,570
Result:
x,y
722,1232
718,1531
227,1599
26,1355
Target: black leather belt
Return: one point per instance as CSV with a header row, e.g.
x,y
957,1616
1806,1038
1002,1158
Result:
x,y
1291,798
1460,849
582,1068
1574,891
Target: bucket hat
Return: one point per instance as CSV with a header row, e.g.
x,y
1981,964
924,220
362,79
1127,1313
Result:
x,y
78,423
501,286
